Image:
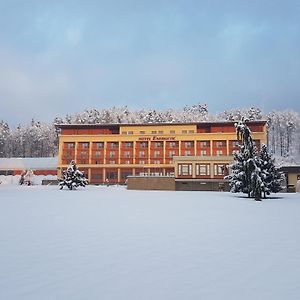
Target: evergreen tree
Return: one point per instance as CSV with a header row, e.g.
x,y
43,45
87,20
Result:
x,y
271,176
246,173
72,177
239,179
4,134
253,172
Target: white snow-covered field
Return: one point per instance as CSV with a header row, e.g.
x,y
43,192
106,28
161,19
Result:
x,y
110,243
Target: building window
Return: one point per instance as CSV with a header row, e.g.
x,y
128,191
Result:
x,y
128,144
156,162
142,154
202,170
184,169
187,153
172,132
188,144
191,131
156,153
112,153
130,132
184,131
111,175
203,153
235,144
70,145
96,176
7,172
99,145
124,132
142,132
172,153
144,144
153,132
113,145
127,162
219,152
97,153
173,144
220,144
142,162
85,145
83,154
160,132
68,154
204,144
220,170
112,162
158,145
127,154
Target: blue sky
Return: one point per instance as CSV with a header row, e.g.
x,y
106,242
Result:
x,y
60,57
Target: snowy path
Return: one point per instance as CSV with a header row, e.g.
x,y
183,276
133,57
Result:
x,y
110,243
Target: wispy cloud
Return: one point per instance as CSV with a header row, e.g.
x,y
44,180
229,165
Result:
x,y
64,56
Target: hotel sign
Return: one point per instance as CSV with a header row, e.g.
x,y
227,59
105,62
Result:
x,y
157,138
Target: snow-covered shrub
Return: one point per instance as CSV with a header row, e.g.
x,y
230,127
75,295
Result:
x,y
72,177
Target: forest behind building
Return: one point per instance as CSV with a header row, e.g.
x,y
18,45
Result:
x,y
40,139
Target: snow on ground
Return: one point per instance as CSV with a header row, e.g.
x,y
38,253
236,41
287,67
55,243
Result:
x,y
110,243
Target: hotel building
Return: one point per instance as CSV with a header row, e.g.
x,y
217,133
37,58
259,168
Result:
x,y
186,150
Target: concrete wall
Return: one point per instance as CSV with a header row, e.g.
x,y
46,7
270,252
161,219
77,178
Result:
x,y
151,183
205,185
170,184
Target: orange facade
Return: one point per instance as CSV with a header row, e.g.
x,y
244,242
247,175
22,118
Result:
x,y
116,151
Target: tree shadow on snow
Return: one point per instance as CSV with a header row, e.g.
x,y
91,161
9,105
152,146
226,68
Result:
x,y
262,199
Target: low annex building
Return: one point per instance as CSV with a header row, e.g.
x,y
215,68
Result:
x,y
292,175
199,150
39,165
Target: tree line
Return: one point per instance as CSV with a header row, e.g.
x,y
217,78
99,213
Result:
x,y
40,139
35,139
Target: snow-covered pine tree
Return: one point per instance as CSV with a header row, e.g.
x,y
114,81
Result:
x,y
4,134
270,174
246,174
238,178
72,177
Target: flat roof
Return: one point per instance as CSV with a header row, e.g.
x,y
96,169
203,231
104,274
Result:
x,y
33,163
290,169
117,125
